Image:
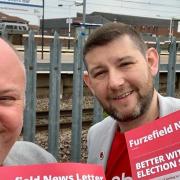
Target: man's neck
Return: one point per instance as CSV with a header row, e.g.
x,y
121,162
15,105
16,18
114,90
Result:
x,y
149,116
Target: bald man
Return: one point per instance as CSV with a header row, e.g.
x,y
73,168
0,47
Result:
x,y
12,98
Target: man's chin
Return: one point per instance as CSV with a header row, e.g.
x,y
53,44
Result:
x,y
126,116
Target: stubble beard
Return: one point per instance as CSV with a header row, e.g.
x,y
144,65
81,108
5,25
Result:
x,y
142,106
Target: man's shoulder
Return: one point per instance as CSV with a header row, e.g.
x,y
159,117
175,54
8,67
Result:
x,y
172,101
99,139
168,105
169,98
24,152
103,125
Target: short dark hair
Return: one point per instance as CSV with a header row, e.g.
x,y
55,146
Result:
x,y
109,32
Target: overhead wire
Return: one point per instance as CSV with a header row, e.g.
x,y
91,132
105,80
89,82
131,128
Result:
x,y
55,9
126,6
149,3
143,9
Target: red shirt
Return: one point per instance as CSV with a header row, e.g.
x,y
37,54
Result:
x,y
118,164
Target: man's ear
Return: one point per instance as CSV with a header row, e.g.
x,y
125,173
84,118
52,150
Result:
x,y
153,60
88,82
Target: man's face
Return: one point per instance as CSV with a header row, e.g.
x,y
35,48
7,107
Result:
x,y
121,78
12,88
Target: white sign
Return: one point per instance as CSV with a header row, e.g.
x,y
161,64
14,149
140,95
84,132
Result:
x,y
178,29
30,3
69,20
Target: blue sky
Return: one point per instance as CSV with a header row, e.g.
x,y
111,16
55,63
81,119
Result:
x,y
165,9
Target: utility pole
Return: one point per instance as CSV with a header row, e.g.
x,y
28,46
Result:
x,y
42,29
69,25
84,12
170,27
84,9
69,20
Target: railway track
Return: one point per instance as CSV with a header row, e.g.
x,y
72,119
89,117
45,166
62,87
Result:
x,y
64,121
63,113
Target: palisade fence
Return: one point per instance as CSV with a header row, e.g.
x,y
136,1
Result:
x,y
54,67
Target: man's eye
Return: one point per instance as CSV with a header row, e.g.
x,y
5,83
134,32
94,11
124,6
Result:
x,y
7,100
126,64
99,74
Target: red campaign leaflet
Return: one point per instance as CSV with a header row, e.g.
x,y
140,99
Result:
x,y
154,149
53,171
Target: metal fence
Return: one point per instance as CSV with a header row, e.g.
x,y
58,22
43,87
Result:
x,y
55,67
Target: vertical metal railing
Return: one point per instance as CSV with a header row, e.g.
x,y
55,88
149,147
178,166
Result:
x,y
97,111
30,60
158,47
77,98
54,96
171,78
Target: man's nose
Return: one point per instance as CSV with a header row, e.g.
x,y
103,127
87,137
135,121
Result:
x,y
116,80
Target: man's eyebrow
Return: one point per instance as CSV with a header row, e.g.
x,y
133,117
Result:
x,y
10,90
124,58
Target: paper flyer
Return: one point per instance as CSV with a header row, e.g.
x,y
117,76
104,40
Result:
x,y
53,171
154,149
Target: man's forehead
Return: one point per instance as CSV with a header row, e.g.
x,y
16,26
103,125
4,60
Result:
x,y
8,54
10,62
4,46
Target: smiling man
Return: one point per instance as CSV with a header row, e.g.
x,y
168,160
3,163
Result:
x,y
120,72
12,103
